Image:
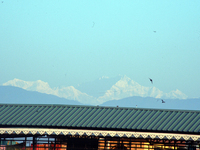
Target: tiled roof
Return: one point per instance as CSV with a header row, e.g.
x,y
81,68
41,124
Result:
x,y
95,117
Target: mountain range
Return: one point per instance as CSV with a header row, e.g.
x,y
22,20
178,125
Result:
x,y
16,95
99,91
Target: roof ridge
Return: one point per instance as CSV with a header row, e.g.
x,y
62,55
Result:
x,y
108,107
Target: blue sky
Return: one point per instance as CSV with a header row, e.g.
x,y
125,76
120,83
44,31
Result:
x,y
70,42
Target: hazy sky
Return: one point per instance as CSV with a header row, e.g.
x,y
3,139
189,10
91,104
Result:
x,y
66,42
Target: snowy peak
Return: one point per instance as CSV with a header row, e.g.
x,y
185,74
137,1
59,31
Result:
x,y
126,87
176,94
126,82
19,83
39,86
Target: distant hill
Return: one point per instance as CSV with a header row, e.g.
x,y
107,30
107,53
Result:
x,y
149,102
15,95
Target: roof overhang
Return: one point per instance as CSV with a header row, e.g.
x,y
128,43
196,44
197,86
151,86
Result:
x,y
101,133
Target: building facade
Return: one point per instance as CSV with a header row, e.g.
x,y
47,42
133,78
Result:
x,y
69,127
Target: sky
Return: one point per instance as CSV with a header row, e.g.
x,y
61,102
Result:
x,y
70,42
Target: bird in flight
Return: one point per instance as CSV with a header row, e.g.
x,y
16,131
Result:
x,y
93,24
162,101
151,80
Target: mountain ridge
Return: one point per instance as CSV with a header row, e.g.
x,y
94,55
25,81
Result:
x,y
123,87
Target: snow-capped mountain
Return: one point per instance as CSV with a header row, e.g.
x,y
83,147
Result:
x,y
126,87
109,89
16,95
39,86
43,87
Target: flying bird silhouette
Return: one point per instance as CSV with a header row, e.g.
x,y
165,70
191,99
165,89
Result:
x,y
162,101
93,24
151,80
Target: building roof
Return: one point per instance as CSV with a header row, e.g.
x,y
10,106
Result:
x,y
99,118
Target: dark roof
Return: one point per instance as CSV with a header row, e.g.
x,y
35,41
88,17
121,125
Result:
x,y
96,117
